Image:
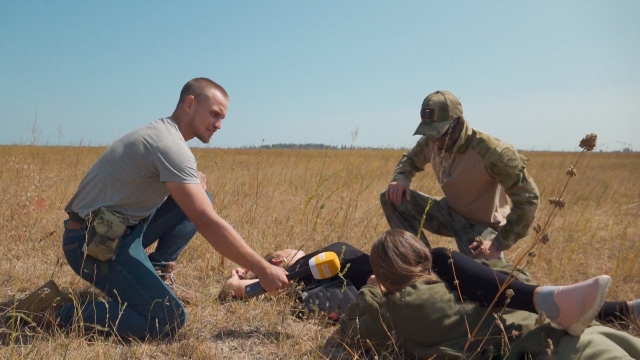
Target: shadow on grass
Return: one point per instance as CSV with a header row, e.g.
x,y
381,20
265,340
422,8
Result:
x,y
275,335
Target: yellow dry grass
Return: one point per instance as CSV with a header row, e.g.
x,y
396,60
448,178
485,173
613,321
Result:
x,y
287,198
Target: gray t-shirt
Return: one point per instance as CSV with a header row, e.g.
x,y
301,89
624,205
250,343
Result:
x,y
129,177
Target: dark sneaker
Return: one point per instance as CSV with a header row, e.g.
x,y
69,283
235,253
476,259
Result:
x,y
332,297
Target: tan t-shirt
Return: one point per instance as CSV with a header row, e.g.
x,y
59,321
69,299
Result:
x,y
470,190
483,179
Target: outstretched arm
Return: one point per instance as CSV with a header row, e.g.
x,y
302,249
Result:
x,y
412,162
195,203
524,203
508,167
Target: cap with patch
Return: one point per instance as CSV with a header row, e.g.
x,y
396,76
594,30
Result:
x,y
437,113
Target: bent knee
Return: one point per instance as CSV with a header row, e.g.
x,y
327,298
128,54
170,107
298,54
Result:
x,y
440,262
440,255
169,326
177,318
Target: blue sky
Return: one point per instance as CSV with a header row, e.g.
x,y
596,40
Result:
x,y
538,74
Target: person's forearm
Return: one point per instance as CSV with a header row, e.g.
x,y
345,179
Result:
x,y
405,169
412,162
226,240
524,203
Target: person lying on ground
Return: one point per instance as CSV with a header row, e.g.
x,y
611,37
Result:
x,y
354,265
475,279
407,305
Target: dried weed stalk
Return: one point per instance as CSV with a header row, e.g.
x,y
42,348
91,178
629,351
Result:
x,y
541,234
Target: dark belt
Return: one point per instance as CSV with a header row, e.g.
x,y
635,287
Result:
x,y
76,218
76,221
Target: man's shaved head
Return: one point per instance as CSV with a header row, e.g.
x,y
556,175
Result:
x,y
199,87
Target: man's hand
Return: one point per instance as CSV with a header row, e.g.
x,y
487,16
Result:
x,y
273,278
203,180
238,273
235,285
485,250
398,190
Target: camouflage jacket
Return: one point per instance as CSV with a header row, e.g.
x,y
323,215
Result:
x,y
496,166
425,320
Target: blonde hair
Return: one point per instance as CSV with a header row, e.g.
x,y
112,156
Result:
x,y
398,259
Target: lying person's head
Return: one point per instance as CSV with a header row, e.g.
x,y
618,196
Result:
x,y
282,258
398,259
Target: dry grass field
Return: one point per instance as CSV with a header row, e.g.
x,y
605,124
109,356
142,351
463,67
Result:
x,y
292,198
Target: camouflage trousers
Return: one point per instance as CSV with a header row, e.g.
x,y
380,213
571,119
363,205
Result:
x,y
440,220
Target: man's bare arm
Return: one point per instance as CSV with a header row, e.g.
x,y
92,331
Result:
x,y
193,200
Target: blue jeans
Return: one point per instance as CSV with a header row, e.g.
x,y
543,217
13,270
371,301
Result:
x,y
141,305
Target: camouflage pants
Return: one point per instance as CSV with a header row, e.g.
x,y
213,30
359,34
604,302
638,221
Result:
x,y
440,220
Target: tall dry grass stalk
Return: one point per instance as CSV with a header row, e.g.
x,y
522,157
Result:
x,y
541,236
284,199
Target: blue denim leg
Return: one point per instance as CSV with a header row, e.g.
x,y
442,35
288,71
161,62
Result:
x,y
173,230
140,306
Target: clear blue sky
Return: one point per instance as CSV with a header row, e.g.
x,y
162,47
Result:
x,y
538,74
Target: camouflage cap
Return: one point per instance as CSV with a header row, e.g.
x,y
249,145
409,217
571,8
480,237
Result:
x,y
437,112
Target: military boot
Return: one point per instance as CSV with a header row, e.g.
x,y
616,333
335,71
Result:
x,y
39,306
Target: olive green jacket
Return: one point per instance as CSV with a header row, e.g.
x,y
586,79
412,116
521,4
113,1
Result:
x,y
502,163
425,320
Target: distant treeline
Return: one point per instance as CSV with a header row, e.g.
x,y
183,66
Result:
x,y
311,146
315,147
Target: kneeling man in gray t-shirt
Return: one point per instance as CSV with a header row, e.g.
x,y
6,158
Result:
x,y
145,189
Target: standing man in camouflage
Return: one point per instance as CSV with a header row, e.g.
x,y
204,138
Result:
x,y
478,174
